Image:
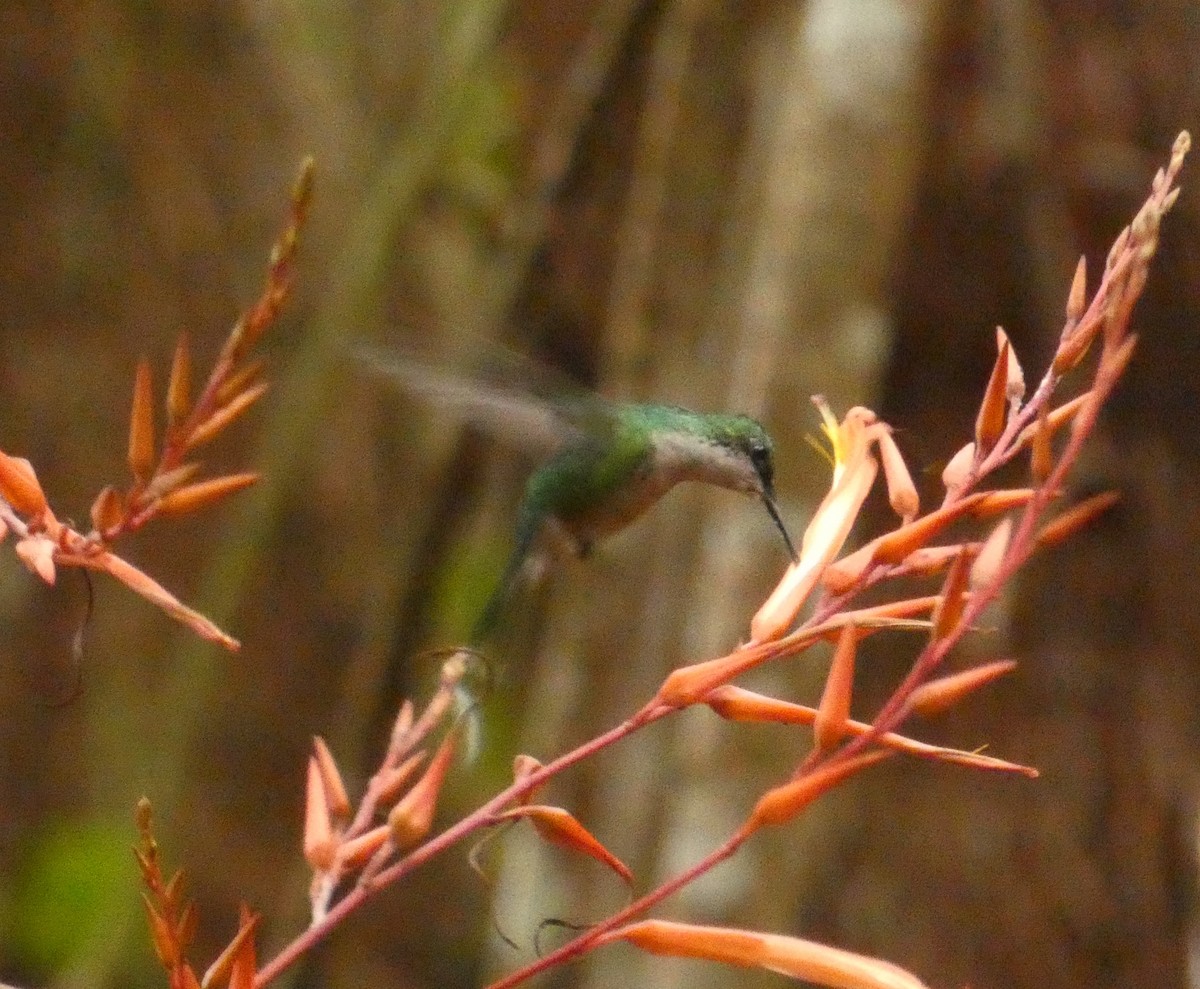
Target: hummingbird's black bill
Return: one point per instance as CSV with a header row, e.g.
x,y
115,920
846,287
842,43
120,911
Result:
x,y
774,513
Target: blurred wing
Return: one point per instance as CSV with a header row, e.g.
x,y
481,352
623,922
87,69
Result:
x,y
526,421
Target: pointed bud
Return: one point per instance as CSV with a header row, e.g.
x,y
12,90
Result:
x,y
1016,374
954,599
141,424
19,486
108,510
1041,455
1077,298
1077,517
958,471
934,559
245,961
991,503
225,415
335,789
1071,350
239,381
357,852
989,424
161,936
560,828
782,804
392,783
404,722
738,704
320,843
179,389
986,567
893,547
411,818
691,684
525,766
156,594
219,971
841,575
902,493
791,956
204,493
164,482
834,711
940,695
172,892
189,922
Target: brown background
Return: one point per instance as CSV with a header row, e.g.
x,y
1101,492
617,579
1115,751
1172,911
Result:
x,y
716,204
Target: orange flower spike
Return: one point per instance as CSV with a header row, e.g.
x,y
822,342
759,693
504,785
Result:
x,y
141,425
1076,517
357,852
954,597
940,695
179,389
215,423
19,486
853,474
219,971
411,818
780,805
335,789
204,493
320,843
989,424
902,493
791,956
561,828
834,710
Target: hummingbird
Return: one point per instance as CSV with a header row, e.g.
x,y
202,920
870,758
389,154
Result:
x,y
610,461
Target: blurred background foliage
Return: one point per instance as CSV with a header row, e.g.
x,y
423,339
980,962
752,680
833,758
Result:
x,y
719,204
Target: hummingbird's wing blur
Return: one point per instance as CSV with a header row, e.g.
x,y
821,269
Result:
x,y
519,413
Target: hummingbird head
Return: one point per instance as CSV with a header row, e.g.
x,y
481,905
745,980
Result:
x,y
738,454
755,445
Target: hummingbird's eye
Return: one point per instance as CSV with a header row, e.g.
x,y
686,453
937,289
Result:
x,y
760,457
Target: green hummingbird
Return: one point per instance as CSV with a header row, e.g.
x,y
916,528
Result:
x,y
610,461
